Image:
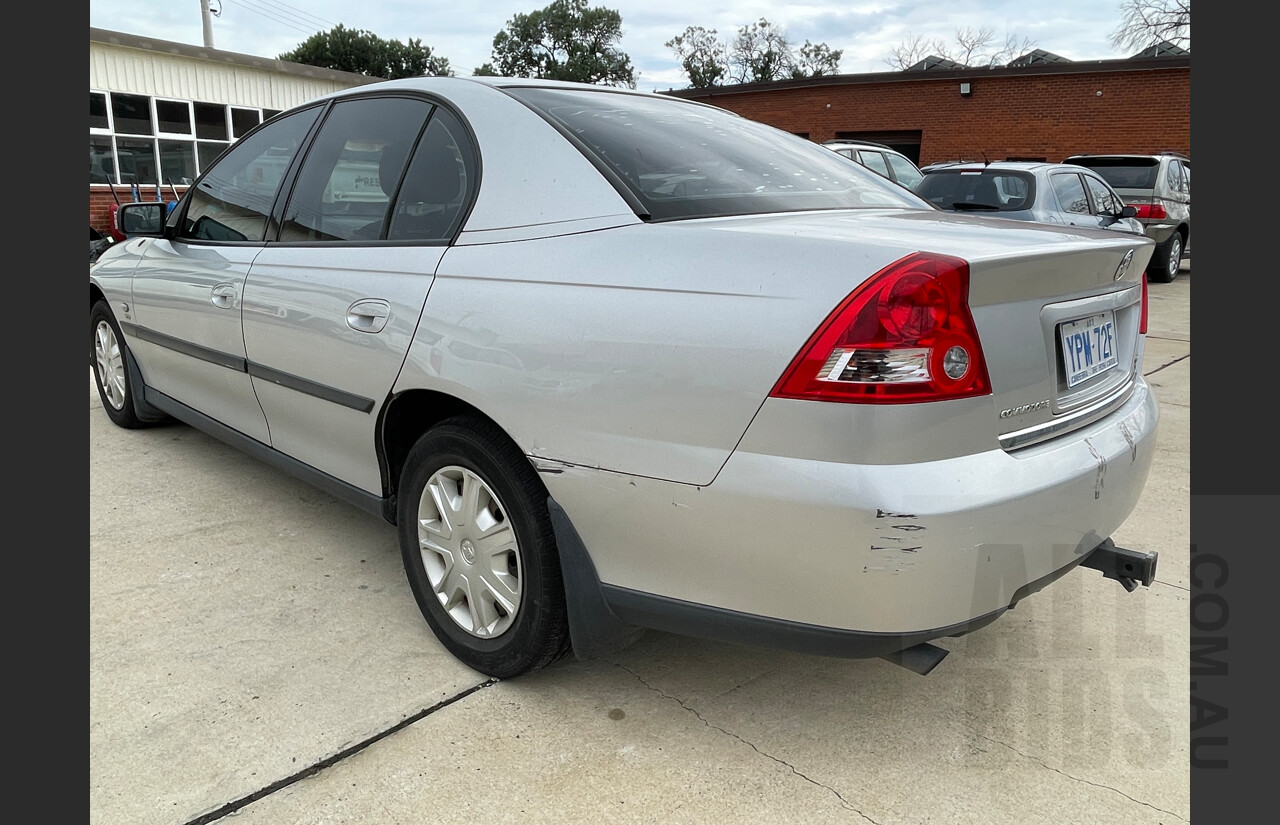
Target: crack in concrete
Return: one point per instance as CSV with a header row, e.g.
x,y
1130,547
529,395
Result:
x,y
843,802
1076,778
231,808
1168,364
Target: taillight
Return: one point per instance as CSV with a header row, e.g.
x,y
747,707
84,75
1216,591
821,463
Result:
x,y
1142,322
1150,211
903,336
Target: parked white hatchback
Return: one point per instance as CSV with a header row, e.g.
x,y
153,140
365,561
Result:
x,y
613,360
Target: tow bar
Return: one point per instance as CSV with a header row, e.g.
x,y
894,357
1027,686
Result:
x,y
1129,567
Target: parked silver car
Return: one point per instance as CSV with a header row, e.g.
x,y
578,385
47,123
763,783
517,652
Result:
x,y
1045,192
879,158
684,372
1159,186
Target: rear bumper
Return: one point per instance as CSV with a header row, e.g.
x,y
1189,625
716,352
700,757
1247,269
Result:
x,y
904,550
1159,232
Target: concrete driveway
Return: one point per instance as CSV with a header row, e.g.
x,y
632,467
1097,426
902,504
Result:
x,y
254,650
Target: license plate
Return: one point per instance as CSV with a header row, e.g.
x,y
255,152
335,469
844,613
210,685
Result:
x,y
1088,347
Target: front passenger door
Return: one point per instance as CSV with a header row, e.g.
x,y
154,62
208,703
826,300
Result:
x,y
188,292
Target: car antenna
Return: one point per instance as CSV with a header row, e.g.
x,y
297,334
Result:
x,y
985,161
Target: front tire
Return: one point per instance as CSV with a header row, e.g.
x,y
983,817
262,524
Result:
x,y
1166,260
109,355
479,550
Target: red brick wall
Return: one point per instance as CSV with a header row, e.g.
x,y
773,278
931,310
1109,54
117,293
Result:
x,y
1049,116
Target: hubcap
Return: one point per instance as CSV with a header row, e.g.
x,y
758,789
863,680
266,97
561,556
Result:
x,y
109,364
1175,255
469,551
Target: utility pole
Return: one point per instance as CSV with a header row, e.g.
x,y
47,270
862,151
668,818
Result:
x,y
207,19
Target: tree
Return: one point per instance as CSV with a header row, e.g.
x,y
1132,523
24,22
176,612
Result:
x,y
759,53
362,52
816,59
973,49
1145,23
567,40
702,56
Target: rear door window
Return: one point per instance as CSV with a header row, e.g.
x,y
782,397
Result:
x,y
345,187
874,161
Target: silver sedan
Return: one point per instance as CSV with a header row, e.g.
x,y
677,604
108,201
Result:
x,y
613,360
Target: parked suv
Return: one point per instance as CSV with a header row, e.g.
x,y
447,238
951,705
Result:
x,y
1159,185
879,158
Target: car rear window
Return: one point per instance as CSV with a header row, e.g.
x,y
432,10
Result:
x,y
978,190
1123,173
688,160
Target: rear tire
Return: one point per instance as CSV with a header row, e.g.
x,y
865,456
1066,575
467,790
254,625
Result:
x,y
1164,264
479,550
109,356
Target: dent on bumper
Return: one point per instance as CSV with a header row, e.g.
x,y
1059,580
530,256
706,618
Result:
x,y
874,549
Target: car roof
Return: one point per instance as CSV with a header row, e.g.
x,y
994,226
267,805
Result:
x,y
995,165
1120,155
861,144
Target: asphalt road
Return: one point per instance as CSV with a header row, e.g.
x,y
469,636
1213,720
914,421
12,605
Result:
x,y
254,650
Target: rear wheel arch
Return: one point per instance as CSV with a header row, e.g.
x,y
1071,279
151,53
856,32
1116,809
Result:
x,y
405,418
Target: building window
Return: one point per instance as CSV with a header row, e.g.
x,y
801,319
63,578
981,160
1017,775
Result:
x,y
123,149
131,115
98,112
173,117
211,121
242,120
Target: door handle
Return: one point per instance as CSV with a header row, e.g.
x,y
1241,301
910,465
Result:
x,y
223,296
369,315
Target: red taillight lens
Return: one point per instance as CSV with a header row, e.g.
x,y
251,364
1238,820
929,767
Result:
x,y
903,336
1150,211
1142,323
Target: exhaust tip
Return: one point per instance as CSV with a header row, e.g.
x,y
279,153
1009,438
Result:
x,y
920,658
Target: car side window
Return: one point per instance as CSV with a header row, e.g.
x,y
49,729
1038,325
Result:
x,y
905,172
874,161
429,201
1070,193
352,169
1186,178
1104,201
232,200
1173,177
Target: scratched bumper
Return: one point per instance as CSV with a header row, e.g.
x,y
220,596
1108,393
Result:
x,y
870,548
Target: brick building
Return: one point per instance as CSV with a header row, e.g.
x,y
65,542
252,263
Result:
x,y
1041,111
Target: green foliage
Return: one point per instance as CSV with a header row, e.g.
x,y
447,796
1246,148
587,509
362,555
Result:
x,y
362,52
567,40
816,60
702,56
759,53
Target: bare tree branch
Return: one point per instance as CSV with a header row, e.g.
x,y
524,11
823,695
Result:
x,y
1146,23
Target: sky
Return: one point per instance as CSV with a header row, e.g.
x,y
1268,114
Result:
x,y
866,31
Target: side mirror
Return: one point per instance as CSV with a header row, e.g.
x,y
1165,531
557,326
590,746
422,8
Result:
x,y
142,219
1129,212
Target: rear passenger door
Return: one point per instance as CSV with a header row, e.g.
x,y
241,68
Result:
x,y
331,308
